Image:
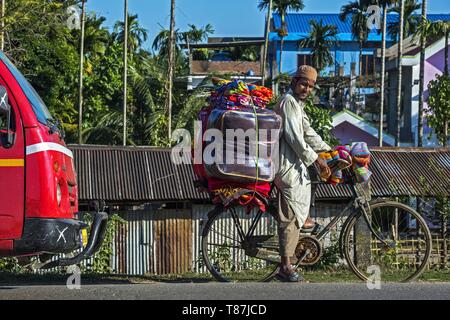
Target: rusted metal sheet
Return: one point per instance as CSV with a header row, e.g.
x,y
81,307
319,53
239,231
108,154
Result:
x,y
173,241
132,175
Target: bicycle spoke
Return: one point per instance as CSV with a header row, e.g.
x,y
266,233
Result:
x,y
223,245
223,235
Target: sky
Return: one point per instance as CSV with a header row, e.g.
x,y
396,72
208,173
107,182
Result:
x,y
229,18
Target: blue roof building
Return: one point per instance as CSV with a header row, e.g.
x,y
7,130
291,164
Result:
x,y
345,52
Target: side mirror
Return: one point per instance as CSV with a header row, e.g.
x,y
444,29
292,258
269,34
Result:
x,y
4,105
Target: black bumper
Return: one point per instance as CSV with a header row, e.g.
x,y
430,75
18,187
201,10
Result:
x,y
49,236
61,236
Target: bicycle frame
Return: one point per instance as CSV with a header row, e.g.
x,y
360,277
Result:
x,y
356,206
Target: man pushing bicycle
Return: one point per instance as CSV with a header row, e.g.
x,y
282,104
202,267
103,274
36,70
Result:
x,y
299,148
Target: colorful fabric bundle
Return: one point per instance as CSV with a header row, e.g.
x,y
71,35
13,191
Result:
x,y
357,155
361,160
236,94
337,160
227,196
227,96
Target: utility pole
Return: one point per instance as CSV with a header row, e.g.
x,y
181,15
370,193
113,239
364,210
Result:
x,y
399,78
383,76
266,43
125,72
3,7
171,64
423,40
80,83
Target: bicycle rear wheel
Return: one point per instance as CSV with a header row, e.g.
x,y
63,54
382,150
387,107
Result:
x,y
223,247
397,251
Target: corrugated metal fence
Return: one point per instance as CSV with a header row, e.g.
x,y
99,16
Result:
x,y
169,241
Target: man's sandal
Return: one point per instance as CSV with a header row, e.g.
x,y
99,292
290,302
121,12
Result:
x,y
313,230
293,277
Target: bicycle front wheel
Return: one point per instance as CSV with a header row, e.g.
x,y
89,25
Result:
x,y
223,246
397,250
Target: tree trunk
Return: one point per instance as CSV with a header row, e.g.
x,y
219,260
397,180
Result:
x,y
383,75
444,143
125,72
446,51
171,65
266,44
423,40
2,33
360,77
80,83
399,78
444,227
280,69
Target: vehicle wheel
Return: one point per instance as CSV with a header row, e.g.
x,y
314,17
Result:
x,y
397,251
223,249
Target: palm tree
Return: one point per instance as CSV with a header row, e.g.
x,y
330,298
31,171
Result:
x,y
282,7
136,34
192,35
358,12
411,20
320,39
196,35
161,42
385,4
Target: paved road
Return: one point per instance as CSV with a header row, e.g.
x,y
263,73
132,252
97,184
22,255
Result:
x,y
229,291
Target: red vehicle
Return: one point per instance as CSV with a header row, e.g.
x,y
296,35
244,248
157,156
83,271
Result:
x,y
38,188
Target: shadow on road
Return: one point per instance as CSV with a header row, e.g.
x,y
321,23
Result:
x,y
27,279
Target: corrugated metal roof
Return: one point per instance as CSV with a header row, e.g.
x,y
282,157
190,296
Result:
x,y
299,22
129,174
145,174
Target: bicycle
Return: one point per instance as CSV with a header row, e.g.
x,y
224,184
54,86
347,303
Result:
x,y
382,236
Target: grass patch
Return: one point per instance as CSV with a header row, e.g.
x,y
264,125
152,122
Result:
x,y
314,276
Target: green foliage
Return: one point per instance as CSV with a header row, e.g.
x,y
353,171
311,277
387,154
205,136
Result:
x,y
222,260
438,112
102,259
321,121
10,265
201,54
411,21
42,46
47,52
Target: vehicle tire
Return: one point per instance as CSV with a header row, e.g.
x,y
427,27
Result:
x,y
222,248
405,252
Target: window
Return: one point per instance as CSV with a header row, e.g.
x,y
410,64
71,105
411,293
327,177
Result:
x,y
3,122
304,59
4,128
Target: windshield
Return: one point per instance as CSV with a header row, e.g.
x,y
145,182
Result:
x,y
39,107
